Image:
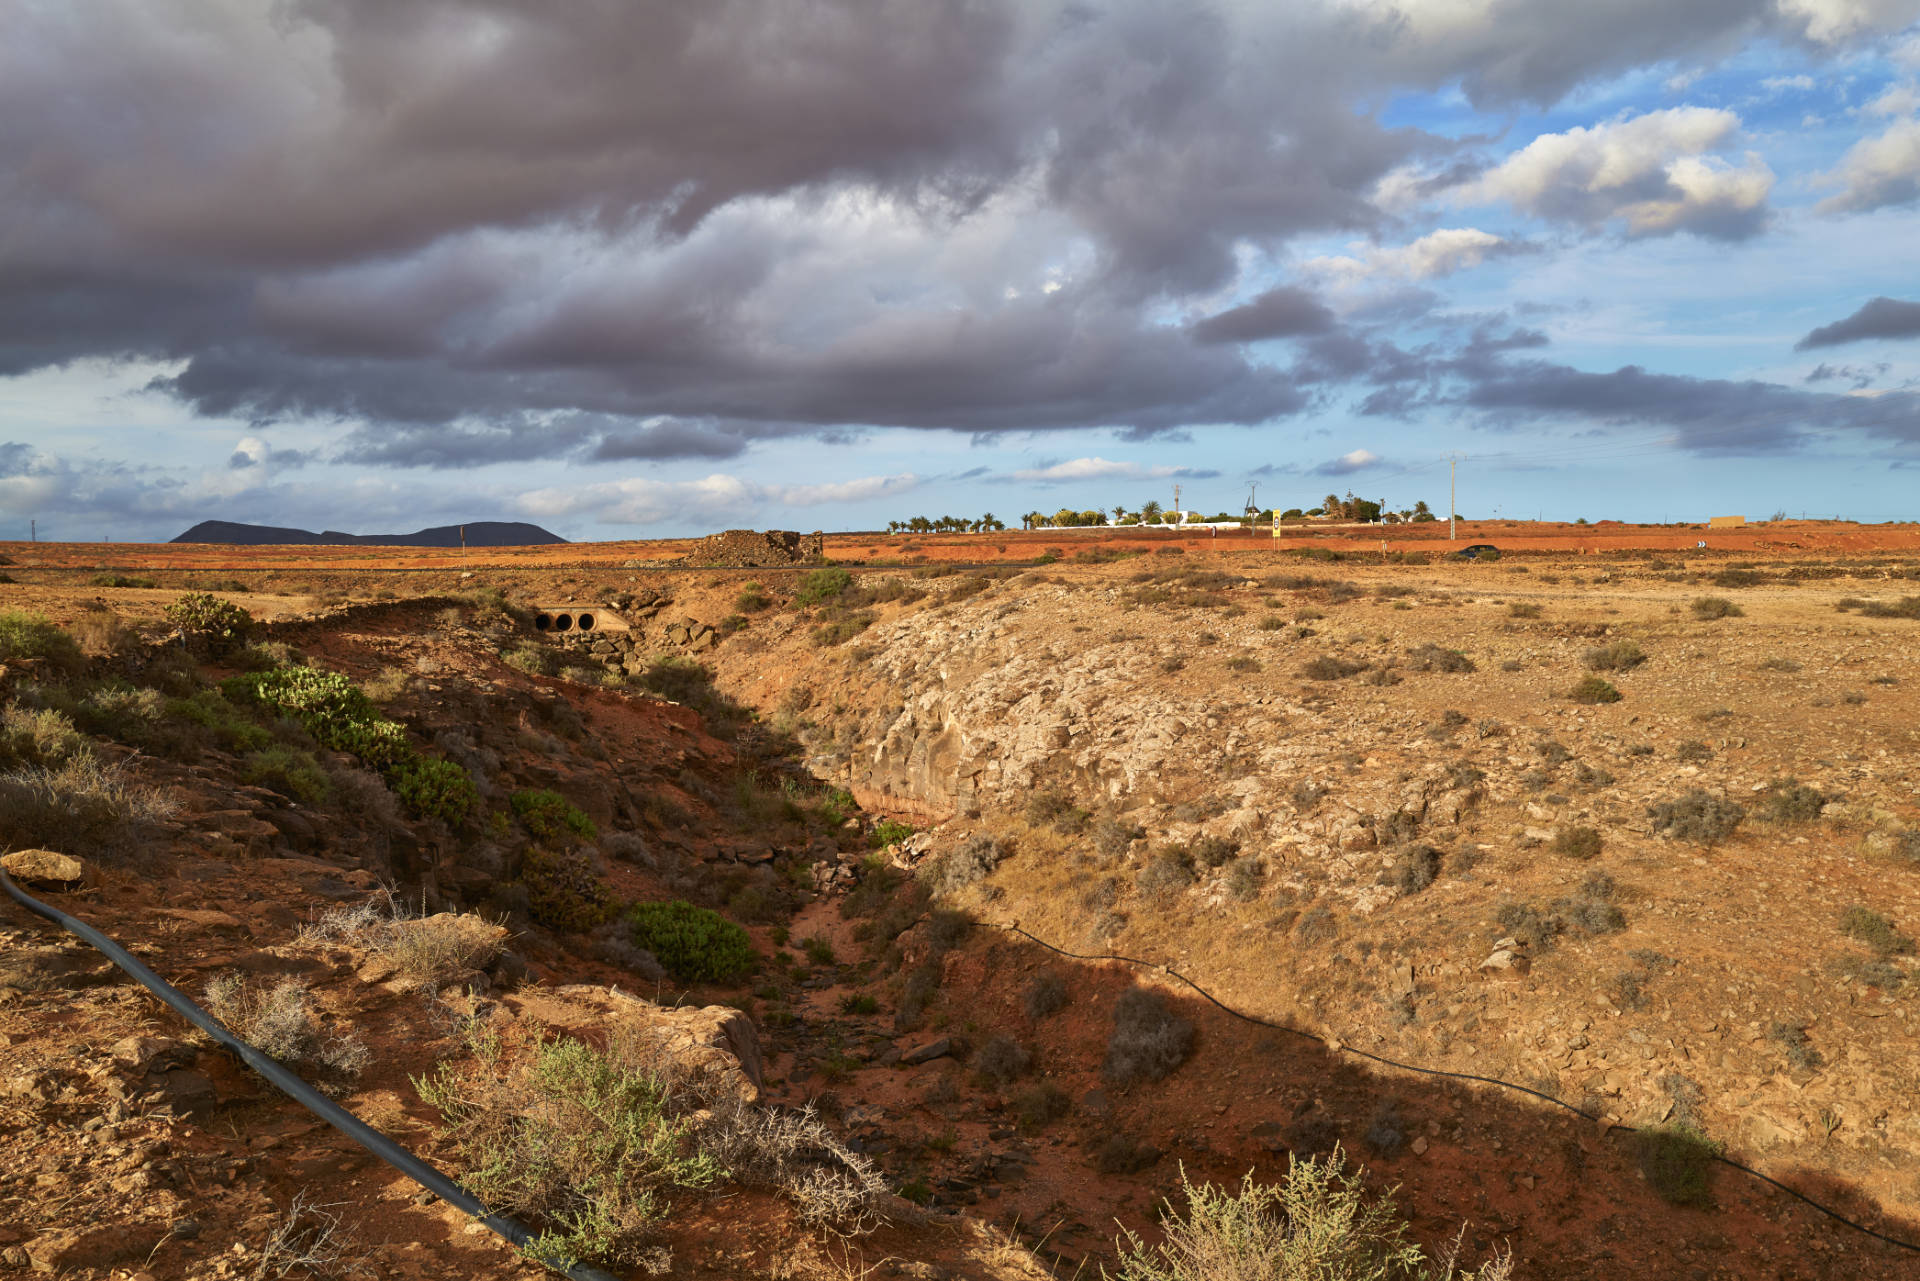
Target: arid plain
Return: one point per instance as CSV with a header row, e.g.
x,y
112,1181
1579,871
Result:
x,y
1628,822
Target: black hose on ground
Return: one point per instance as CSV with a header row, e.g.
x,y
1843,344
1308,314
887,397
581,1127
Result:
x,y
298,1090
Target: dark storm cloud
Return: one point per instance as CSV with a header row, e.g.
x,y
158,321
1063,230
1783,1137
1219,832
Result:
x,y
1880,318
1285,312
481,231
676,439
1860,377
1706,415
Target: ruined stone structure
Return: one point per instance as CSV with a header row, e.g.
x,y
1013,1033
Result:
x,y
750,549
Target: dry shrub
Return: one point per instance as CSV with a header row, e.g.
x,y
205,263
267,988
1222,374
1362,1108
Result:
x,y
1592,689
1149,1041
591,1144
280,1022
1708,608
1002,1061
38,737
1791,801
310,1242
103,632
1045,996
1698,816
427,949
1415,867
1875,930
965,866
1615,656
1577,842
1433,658
80,806
1328,668
1317,1224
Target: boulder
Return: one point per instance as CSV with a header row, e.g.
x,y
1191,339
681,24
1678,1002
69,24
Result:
x,y
1505,963
44,868
937,1049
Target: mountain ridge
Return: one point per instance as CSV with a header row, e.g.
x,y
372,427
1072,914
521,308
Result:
x,y
486,533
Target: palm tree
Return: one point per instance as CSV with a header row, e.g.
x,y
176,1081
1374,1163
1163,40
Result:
x,y
1149,509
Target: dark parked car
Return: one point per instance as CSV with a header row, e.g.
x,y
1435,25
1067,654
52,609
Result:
x,y
1479,551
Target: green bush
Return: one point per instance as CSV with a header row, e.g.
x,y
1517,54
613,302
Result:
x,y
220,624
889,831
548,816
584,1142
434,788
563,893
531,657
694,944
288,772
1593,689
209,718
25,635
341,717
821,585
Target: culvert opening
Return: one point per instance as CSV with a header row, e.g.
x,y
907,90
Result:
x,y
543,622
562,622
586,622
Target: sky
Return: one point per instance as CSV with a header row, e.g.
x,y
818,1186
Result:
x,y
634,271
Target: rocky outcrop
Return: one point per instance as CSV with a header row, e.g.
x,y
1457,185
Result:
x,y
750,549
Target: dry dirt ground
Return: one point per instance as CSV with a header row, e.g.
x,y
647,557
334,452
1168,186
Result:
x,y
1253,763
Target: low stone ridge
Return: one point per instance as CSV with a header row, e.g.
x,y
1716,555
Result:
x,y
751,549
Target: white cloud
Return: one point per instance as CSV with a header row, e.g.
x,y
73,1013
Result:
x,y
1651,172
1831,21
1777,84
1877,172
1438,253
1347,463
639,501
1098,469
1897,101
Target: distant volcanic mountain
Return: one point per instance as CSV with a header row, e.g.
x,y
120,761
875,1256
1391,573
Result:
x,y
486,533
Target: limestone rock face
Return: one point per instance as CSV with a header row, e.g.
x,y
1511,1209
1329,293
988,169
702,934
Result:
x,y
43,868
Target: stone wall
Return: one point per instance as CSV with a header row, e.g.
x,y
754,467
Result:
x,y
751,549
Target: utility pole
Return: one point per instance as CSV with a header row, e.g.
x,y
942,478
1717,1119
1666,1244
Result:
x,y
33,531
1453,508
1176,504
